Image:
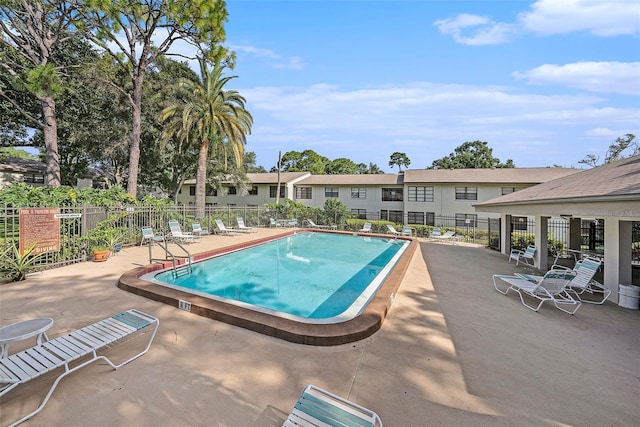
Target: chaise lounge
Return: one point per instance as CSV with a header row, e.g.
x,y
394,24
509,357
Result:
x,y
20,368
318,407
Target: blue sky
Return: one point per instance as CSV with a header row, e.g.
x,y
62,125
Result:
x,y
543,82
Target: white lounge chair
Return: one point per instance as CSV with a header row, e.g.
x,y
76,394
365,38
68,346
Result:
x,y
448,235
243,227
393,231
222,229
551,287
527,256
583,283
149,236
198,230
22,367
322,227
318,407
366,228
178,235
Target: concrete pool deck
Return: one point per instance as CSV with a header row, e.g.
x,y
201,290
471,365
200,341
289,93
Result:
x,y
452,351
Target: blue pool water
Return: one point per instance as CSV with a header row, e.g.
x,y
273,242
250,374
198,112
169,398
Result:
x,y
321,277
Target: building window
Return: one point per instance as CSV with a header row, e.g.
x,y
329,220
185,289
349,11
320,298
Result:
x,y
211,191
421,194
192,190
254,190
466,220
330,192
360,213
33,178
466,193
272,191
232,190
303,192
415,217
508,190
392,194
394,216
519,223
358,193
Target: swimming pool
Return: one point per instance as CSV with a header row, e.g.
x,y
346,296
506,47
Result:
x,y
308,276
284,326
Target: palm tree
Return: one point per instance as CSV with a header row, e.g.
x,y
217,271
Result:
x,y
208,114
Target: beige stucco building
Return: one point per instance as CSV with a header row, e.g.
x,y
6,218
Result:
x,y
416,196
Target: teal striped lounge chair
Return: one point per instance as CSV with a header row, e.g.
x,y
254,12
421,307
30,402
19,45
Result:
x,y
80,346
318,407
550,287
584,283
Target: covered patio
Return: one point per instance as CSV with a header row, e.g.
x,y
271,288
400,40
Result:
x,y
610,193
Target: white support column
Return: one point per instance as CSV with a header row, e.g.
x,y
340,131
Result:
x,y
505,232
617,255
541,232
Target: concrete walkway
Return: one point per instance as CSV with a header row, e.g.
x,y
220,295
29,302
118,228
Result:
x,y
452,352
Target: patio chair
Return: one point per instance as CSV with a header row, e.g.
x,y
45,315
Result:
x,y
393,231
407,231
198,230
527,256
222,229
551,287
149,236
20,368
318,407
366,228
243,227
435,232
584,282
274,223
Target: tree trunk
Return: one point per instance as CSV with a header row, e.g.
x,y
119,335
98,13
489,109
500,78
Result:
x,y
50,131
134,144
201,178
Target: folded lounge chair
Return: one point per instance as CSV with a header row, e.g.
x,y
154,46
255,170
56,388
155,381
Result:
x,y
551,287
243,227
527,256
22,367
177,234
318,407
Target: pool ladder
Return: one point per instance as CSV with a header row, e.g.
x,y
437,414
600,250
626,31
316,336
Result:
x,y
178,270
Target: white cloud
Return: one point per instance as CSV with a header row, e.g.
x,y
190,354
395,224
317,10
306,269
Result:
x,y
274,60
599,17
602,18
603,77
483,31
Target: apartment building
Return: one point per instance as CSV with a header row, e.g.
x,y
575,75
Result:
x,y
416,196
